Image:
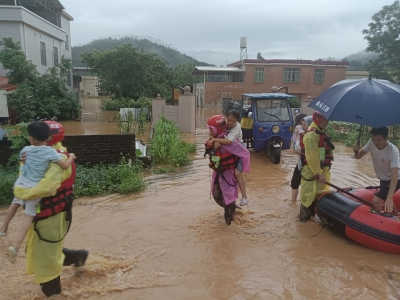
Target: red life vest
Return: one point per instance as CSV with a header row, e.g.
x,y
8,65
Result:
x,y
53,205
227,160
324,143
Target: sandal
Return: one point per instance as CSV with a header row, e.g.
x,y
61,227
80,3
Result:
x,y
11,254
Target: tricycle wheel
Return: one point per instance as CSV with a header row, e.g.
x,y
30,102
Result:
x,y
275,154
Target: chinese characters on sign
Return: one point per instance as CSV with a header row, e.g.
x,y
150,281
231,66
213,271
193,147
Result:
x,y
322,106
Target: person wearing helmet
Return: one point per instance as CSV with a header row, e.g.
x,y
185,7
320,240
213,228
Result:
x,y
39,156
296,177
316,158
45,254
223,161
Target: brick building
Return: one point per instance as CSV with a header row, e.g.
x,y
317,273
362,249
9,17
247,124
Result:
x,y
305,79
42,28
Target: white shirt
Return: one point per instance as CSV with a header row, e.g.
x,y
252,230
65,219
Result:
x,y
235,133
383,160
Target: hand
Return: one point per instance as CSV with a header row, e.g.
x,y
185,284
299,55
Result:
x,y
212,141
356,148
23,158
217,145
389,204
72,156
322,178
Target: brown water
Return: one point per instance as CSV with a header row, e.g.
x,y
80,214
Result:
x,y
171,242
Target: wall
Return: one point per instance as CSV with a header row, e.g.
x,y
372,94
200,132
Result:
x,y
89,85
92,149
216,91
357,74
12,30
3,104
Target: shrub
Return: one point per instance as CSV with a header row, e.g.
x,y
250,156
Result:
x,y
167,146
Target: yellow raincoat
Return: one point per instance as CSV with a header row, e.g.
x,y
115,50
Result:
x,y
44,259
310,189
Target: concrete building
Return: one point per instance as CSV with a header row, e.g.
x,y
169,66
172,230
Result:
x,y
41,27
305,79
5,89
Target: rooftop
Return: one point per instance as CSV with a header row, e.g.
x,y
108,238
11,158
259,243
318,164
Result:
x,y
290,62
5,86
202,69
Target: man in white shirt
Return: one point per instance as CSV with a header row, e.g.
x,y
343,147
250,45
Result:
x,y
385,158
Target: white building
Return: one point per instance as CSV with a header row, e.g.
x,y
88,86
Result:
x,y
41,27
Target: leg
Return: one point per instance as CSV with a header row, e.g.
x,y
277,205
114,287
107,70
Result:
x,y
295,183
52,287
377,203
10,214
26,224
240,180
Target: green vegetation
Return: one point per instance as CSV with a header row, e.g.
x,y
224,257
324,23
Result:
x,y
123,178
383,38
167,146
171,56
117,104
37,96
294,102
347,133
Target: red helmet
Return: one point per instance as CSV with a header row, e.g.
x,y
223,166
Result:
x,y
56,131
317,117
217,122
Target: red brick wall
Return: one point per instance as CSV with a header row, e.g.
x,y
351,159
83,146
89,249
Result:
x,y
93,149
273,76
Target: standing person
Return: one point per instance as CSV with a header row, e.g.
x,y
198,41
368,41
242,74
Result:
x,y
296,177
297,129
45,254
385,158
234,131
39,156
316,157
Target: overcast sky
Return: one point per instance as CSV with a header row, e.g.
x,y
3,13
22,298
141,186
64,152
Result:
x,y
210,30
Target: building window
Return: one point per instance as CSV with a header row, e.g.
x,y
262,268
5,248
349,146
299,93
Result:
x,y
319,76
55,56
291,75
259,75
67,43
69,78
43,54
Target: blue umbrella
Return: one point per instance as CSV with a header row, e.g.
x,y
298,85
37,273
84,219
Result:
x,y
370,102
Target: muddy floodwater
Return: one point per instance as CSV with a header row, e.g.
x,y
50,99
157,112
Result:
x,y
171,241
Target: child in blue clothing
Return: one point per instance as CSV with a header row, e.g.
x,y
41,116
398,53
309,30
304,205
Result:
x,y
38,158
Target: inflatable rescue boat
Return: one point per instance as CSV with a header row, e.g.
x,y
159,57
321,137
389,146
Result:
x,y
351,213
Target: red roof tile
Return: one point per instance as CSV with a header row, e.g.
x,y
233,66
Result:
x,y
5,86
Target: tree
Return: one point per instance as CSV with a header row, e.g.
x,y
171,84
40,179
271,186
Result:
x,y
127,72
37,96
182,76
383,37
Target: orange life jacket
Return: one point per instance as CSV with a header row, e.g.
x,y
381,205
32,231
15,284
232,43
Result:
x,y
324,145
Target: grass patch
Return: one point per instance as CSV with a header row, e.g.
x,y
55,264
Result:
x,y
167,147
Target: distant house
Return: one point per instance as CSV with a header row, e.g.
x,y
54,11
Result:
x,y
5,89
305,79
357,74
42,28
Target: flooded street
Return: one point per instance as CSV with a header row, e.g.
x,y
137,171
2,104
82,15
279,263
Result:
x,y
171,241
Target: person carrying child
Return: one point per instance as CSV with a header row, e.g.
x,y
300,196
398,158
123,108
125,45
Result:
x,y
39,156
234,131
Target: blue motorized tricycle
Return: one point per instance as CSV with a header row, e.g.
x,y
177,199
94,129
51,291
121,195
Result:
x,y
266,121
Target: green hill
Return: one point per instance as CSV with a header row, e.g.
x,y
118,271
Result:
x,y
148,45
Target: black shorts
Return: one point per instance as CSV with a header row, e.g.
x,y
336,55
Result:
x,y
384,189
296,178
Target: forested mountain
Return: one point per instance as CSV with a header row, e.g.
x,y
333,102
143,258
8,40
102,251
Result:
x,y
172,56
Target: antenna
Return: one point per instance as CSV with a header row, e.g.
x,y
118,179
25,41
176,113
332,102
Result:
x,y
243,48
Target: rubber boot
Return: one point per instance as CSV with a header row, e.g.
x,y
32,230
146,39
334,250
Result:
x,y
52,287
305,214
76,257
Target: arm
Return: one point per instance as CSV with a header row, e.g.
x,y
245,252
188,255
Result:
x,y
394,172
222,141
310,141
359,153
65,164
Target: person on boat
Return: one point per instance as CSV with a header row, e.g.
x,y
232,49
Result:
x,y
45,238
316,158
296,177
223,161
385,158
